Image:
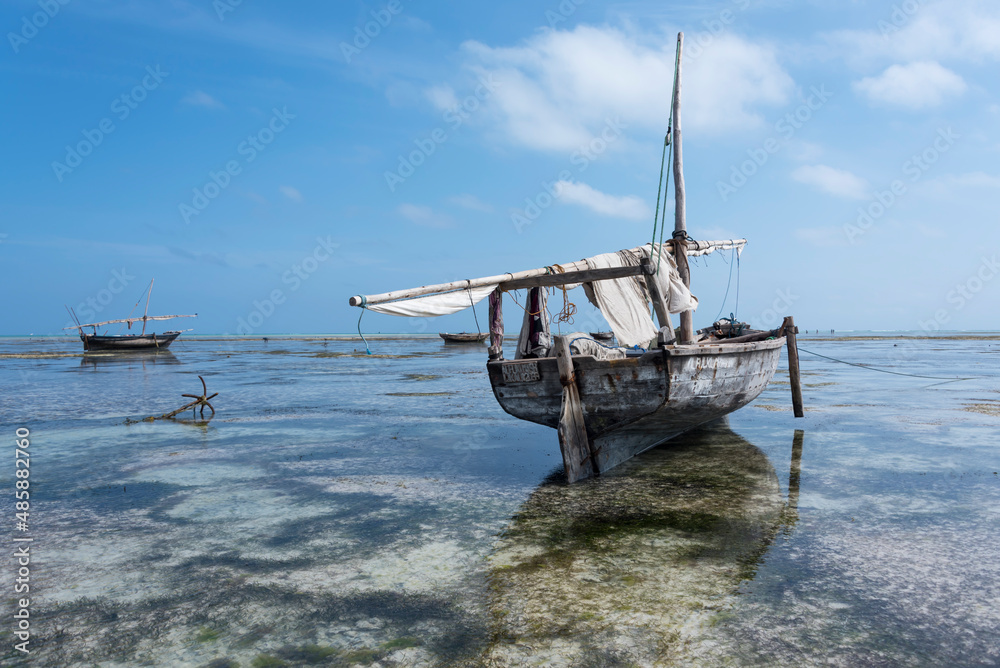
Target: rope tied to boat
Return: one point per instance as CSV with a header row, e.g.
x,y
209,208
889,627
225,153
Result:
x,y
873,368
364,307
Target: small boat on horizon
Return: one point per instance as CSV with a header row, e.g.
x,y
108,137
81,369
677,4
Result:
x,y
127,342
464,337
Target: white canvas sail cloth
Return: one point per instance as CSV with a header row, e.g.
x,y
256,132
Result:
x,y
624,302
678,296
434,305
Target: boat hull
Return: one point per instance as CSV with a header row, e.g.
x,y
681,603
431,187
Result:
x,y
633,404
93,342
463,337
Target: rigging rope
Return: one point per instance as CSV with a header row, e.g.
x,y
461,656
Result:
x,y
872,368
663,161
568,310
363,309
728,285
513,296
478,331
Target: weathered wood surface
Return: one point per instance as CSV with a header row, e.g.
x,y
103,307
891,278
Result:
x,y
633,404
612,391
655,296
574,442
566,278
793,365
680,212
703,387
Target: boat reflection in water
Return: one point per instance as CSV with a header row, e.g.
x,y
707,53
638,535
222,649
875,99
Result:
x,y
139,358
622,569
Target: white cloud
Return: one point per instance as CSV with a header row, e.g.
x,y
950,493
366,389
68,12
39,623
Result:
x,y
630,207
967,30
558,88
442,97
291,193
424,216
915,86
471,202
202,99
837,182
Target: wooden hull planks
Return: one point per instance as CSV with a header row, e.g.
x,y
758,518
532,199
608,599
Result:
x,y
128,343
636,403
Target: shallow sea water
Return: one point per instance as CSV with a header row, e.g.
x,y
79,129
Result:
x,y
346,509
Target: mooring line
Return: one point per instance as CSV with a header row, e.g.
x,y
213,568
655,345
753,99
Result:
x,y
872,368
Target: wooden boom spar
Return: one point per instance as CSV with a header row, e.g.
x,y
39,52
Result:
x,y
572,272
131,320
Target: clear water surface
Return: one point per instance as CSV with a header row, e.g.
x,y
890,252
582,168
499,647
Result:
x,y
346,509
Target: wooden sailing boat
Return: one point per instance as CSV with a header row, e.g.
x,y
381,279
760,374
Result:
x,y
463,337
128,342
609,408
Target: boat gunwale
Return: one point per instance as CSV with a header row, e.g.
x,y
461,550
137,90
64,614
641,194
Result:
x,y
676,350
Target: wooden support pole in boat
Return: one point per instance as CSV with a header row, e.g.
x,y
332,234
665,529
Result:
x,y
496,324
680,213
790,330
577,452
659,302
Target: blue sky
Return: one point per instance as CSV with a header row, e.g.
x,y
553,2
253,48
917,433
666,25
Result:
x,y
265,161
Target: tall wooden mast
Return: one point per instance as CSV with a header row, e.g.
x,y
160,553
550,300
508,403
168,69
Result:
x,y
680,215
146,312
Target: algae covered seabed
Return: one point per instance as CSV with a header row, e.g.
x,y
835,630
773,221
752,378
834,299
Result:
x,y
345,509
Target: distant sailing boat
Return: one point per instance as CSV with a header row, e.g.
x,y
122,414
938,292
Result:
x,y
128,342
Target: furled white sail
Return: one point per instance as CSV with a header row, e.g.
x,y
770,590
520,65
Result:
x,y
624,302
678,296
434,305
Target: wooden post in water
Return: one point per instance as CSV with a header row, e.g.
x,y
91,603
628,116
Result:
x,y
680,213
573,440
793,365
